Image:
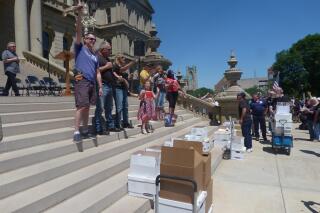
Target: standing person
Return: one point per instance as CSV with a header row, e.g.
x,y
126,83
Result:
x,y
160,90
316,123
245,120
121,91
258,109
310,112
105,102
11,68
172,88
147,110
87,73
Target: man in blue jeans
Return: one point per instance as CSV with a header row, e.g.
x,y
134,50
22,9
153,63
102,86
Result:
x,y
105,102
245,120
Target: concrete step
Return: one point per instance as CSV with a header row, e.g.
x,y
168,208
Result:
x,y
52,192
36,136
41,125
20,158
130,204
33,171
16,117
27,104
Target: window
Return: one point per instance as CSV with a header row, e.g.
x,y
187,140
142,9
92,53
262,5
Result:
x,y
45,44
108,18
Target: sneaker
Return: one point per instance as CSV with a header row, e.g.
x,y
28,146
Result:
x,y
257,138
129,126
77,138
249,150
114,129
86,135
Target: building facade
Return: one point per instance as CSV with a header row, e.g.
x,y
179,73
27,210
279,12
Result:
x,y
38,26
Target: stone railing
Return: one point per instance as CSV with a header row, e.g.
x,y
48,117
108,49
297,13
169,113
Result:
x,y
43,64
201,107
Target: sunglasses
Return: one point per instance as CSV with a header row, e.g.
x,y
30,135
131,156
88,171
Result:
x,y
12,46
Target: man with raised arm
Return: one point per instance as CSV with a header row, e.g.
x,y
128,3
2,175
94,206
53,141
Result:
x,y
87,76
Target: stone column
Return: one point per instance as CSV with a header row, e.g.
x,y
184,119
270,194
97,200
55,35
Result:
x,y
36,27
21,26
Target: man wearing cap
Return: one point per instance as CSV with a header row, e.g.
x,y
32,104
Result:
x,y
11,68
245,120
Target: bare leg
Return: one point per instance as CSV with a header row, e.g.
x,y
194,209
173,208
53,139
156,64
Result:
x,y
77,119
85,117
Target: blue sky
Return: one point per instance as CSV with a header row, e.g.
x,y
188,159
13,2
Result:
x,y
203,33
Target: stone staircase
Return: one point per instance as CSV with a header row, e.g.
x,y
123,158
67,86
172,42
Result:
x,y
42,170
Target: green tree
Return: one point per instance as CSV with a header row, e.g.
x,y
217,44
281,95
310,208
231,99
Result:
x,y
254,90
200,92
292,72
299,66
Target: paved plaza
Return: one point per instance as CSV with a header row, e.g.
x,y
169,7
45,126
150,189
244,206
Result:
x,y
265,182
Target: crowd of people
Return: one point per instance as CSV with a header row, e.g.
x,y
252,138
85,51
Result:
x,y
254,114
105,83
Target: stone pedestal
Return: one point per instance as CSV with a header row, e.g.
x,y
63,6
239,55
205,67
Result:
x,y
228,99
228,102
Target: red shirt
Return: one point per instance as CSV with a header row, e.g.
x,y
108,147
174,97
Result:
x,y
173,85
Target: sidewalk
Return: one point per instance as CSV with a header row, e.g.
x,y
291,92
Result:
x,y
265,182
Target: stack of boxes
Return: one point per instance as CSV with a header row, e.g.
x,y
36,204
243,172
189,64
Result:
x,y
230,139
237,147
188,157
185,159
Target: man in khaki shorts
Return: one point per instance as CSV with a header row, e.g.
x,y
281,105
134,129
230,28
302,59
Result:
x,y
87,75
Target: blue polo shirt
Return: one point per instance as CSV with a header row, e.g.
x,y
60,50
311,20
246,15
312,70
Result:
x,y
258,107
86,62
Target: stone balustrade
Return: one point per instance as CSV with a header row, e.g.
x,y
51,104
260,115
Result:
x,y
43,64
201,108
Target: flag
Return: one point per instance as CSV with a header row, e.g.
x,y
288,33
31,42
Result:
x,y
275,86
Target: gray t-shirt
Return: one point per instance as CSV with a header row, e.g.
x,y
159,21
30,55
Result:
x,y
12,67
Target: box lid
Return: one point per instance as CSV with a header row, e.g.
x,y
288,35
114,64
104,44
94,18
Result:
x,y
197,145
141,178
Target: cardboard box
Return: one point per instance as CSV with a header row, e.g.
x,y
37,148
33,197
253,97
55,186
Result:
x,y
154,149
206,157
206,171
145,164
188,144
200,131
140,186
236,155
172,206
180,162
209,199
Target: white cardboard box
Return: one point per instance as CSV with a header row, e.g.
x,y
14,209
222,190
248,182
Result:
x,y
200,131
140,186
145,164
236,155
172,206
153,149
222,134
